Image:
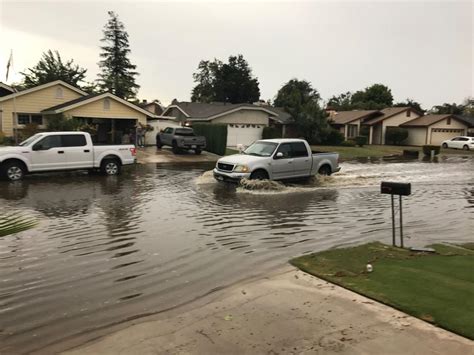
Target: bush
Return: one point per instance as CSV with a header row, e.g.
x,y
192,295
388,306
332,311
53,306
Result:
x,y
349,143
60,122
428,148
396,135
333,137
271,133
216,136
361,140
2,138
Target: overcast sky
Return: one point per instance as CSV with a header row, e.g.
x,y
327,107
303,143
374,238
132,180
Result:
x,y
421,50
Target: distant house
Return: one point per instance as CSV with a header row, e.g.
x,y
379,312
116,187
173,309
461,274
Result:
x,y
110,115
153,106
245,122
349,122
434,129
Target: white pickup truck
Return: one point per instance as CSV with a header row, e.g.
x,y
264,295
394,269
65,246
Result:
x,y
52,151
276,159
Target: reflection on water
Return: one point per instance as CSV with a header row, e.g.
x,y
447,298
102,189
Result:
x,y
112,249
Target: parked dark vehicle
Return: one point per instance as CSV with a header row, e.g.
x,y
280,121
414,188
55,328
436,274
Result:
x,y
180,138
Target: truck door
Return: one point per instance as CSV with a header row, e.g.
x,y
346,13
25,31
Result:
x,y
301,159
78,154
282,167
48,154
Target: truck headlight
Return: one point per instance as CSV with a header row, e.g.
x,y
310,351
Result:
x,y
241,169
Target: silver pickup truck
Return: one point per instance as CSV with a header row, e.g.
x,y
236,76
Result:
x,y
180,138
276,159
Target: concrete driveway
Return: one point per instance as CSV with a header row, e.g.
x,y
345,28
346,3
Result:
x,y
152,155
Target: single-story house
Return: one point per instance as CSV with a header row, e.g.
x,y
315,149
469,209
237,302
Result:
x,y
349,122
6,89
470,122
110,115
390,117
153,106
434,129
245,122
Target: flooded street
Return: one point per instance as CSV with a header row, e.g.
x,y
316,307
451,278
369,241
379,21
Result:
x,y
109,250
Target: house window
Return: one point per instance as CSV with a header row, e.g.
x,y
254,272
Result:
x,y
352,131
448,121
106,104
59,93
27,118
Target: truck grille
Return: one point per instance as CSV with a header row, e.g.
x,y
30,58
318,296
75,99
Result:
x,y
225,167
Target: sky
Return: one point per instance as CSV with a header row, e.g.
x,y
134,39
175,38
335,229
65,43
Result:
x,y
421,50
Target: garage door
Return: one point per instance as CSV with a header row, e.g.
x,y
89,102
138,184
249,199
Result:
x,y
244,134
438,135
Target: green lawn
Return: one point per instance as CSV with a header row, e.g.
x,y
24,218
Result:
x,y
438,288
378,151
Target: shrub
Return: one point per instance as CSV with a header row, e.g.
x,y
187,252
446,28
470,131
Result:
x,y
271,133
333,137
349,143
60,122
428,148
2,138
216,136
361,140
396,135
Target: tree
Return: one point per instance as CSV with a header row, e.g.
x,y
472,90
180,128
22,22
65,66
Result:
x,y
343,102
301,101
225,82
50,68
374,97
410,103
118,73
448,109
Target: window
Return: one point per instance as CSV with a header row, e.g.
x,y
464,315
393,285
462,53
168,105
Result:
x,y
106,104
73,140
448,121
27,118
286,150
352,131
299,149
59,93
48,143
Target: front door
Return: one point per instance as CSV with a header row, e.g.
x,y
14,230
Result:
x,y
78,154
48,154
282,168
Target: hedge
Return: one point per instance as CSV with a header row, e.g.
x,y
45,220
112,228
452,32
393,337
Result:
x,y
396,135
361,140
271,133
216,136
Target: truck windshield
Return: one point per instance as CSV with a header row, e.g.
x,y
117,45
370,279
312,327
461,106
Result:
x,y
29,140
261,149
184,132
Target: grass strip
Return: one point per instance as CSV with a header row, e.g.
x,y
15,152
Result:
x,y
436,287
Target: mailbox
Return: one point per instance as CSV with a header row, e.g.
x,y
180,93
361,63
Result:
x,y
395,188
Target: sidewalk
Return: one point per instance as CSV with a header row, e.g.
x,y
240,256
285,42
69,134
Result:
x,y
152,155
289,312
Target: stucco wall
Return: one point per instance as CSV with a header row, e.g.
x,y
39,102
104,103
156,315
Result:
x,y
33,102
455,124
416,136
245,117
117,110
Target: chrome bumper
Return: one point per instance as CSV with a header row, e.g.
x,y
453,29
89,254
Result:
x,y
229,176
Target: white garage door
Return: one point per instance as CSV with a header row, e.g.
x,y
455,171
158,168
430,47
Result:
x,y
438,135
244,134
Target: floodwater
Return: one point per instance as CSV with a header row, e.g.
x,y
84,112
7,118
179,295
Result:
x,y
111,249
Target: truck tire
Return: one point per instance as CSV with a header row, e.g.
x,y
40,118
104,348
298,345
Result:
x,y
325,170
175,147
110,167
259,175
12,171
197,151
159,145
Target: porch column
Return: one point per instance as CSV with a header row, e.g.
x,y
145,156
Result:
x,y
283,131
346,129
371,133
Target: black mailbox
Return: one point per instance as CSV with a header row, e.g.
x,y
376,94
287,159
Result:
x,y
395,188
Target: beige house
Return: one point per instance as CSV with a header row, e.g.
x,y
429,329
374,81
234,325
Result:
x,y
245,122
434,129
349,122
109,114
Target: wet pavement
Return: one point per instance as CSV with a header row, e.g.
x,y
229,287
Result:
x,y
152,155
109,250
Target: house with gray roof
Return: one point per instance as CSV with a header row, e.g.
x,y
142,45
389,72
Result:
x,y
245,122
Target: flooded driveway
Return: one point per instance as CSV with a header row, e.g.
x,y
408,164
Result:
x,y
109,250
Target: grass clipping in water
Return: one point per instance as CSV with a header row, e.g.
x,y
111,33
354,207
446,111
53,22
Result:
x,y
265,185
15,224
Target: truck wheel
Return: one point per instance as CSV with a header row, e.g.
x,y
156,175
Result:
x,y
259,175
174,147
325,170
197,151
158,143
13,171
110,167
445,146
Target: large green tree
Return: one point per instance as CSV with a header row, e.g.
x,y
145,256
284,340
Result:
x,y
410,103
302,102
118,73
448,109
51,67
374,97
225,82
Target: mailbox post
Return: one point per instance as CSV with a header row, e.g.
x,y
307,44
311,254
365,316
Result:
x,y
400,189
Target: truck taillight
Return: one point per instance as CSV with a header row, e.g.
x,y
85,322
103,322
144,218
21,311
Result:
x,y
133,151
